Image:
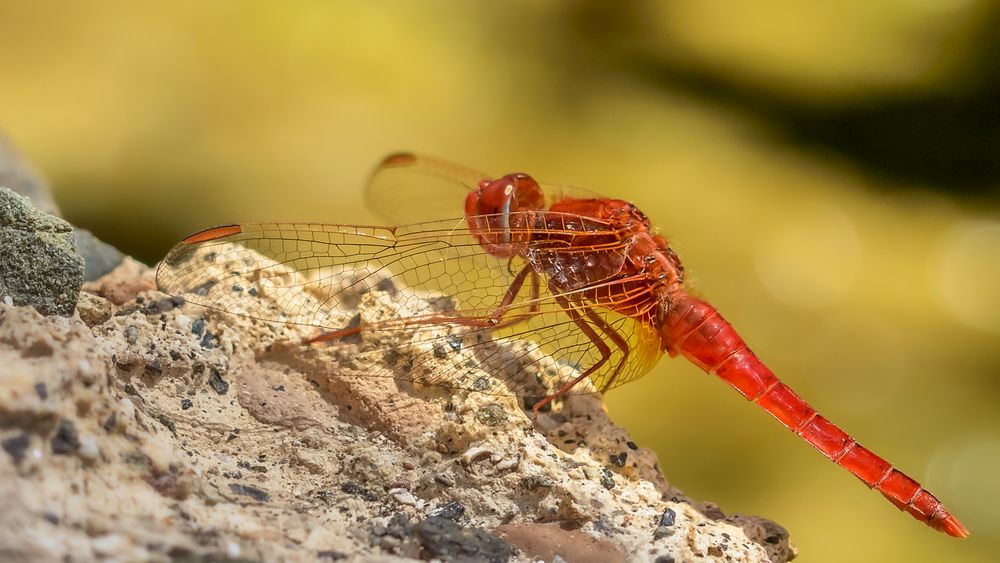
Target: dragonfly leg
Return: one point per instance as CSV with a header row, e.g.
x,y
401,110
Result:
x,y
601,345
619,341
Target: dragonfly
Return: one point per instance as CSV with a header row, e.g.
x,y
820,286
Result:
x,y
575,280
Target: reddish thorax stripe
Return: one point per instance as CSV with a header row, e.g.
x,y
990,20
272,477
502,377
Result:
x,y
213,234
696,330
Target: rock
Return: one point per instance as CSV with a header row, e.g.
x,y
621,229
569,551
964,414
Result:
x,y
128,439
99,257
39,265
93,310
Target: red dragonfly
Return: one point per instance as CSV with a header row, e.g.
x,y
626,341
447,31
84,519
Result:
x,y
583,278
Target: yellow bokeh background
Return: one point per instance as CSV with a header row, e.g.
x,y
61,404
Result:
x,y
872,287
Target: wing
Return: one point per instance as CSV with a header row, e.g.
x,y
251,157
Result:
x,y
408,187
433,306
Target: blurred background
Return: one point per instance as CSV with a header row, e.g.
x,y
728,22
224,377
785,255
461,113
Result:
x,y
831,177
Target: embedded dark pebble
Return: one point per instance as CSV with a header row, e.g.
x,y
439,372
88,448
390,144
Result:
x,y
252,291
250,491
279,388
203,289
66,440
186,404
631,445
452,511
16,446
443,538
111,422
607,481
131,334
330,554
355,489
153,368
386,285
130,390
51,518
455,341
220,385
246,465
667,518
162,305
619,459
42,391
492,414
481,384
237,288
209,341
664,559
175,355
198,327
439,351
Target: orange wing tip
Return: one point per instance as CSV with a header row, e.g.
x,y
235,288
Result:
x,y
951,526
398,159
214,233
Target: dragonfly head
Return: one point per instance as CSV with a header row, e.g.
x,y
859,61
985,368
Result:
x,y
494,211
508,194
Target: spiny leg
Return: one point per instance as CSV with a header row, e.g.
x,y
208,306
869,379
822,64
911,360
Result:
x,y
602,346
619,341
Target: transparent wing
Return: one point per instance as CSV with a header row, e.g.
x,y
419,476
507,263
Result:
x,y
431,304
409,187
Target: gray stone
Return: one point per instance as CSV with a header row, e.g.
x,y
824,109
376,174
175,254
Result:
x,y
39,265
99,257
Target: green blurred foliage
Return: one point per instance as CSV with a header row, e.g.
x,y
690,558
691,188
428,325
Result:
x,y
829,175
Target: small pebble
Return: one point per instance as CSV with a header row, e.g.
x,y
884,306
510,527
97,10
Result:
x,y
88,450
131,334
403,496
492,414
16,446
607,479
250,491
66,440
186,404
452,511
215,380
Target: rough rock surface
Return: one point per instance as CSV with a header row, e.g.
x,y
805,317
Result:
x,y
143,428
39,265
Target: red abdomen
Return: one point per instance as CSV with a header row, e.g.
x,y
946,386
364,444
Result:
x,y
696,330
